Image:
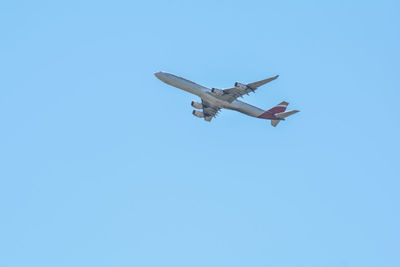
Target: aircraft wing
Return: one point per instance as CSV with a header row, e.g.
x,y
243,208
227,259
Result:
x,y
232,94
210,111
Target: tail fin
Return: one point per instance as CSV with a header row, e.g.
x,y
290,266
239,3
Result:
x,y
269,114
281,107
277,113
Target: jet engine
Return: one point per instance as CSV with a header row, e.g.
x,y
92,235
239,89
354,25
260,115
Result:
x,y
198,114
197,105
241,86
217,91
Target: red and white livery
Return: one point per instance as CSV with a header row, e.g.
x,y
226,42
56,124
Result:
x,y
213,100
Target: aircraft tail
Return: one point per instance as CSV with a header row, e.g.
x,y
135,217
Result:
x,y
277,113
282,116
281,107
270,114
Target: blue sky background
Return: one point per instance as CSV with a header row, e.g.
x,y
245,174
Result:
x,y
104,165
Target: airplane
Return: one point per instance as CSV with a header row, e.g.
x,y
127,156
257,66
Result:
x,y
213,100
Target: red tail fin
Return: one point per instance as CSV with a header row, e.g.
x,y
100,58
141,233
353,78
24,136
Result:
x,y
269,114
281,107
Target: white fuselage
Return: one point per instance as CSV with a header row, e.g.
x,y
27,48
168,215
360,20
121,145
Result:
x,y
206,94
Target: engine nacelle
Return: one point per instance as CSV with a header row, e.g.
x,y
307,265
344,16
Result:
x,y
217,91
197,105
198,114
241,86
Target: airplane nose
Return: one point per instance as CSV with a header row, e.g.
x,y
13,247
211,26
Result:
x,y
158,74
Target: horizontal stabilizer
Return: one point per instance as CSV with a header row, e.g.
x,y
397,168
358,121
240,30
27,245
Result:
x,y
285,114
274,122
282,116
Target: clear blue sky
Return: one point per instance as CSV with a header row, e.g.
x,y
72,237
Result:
x,y
104,165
